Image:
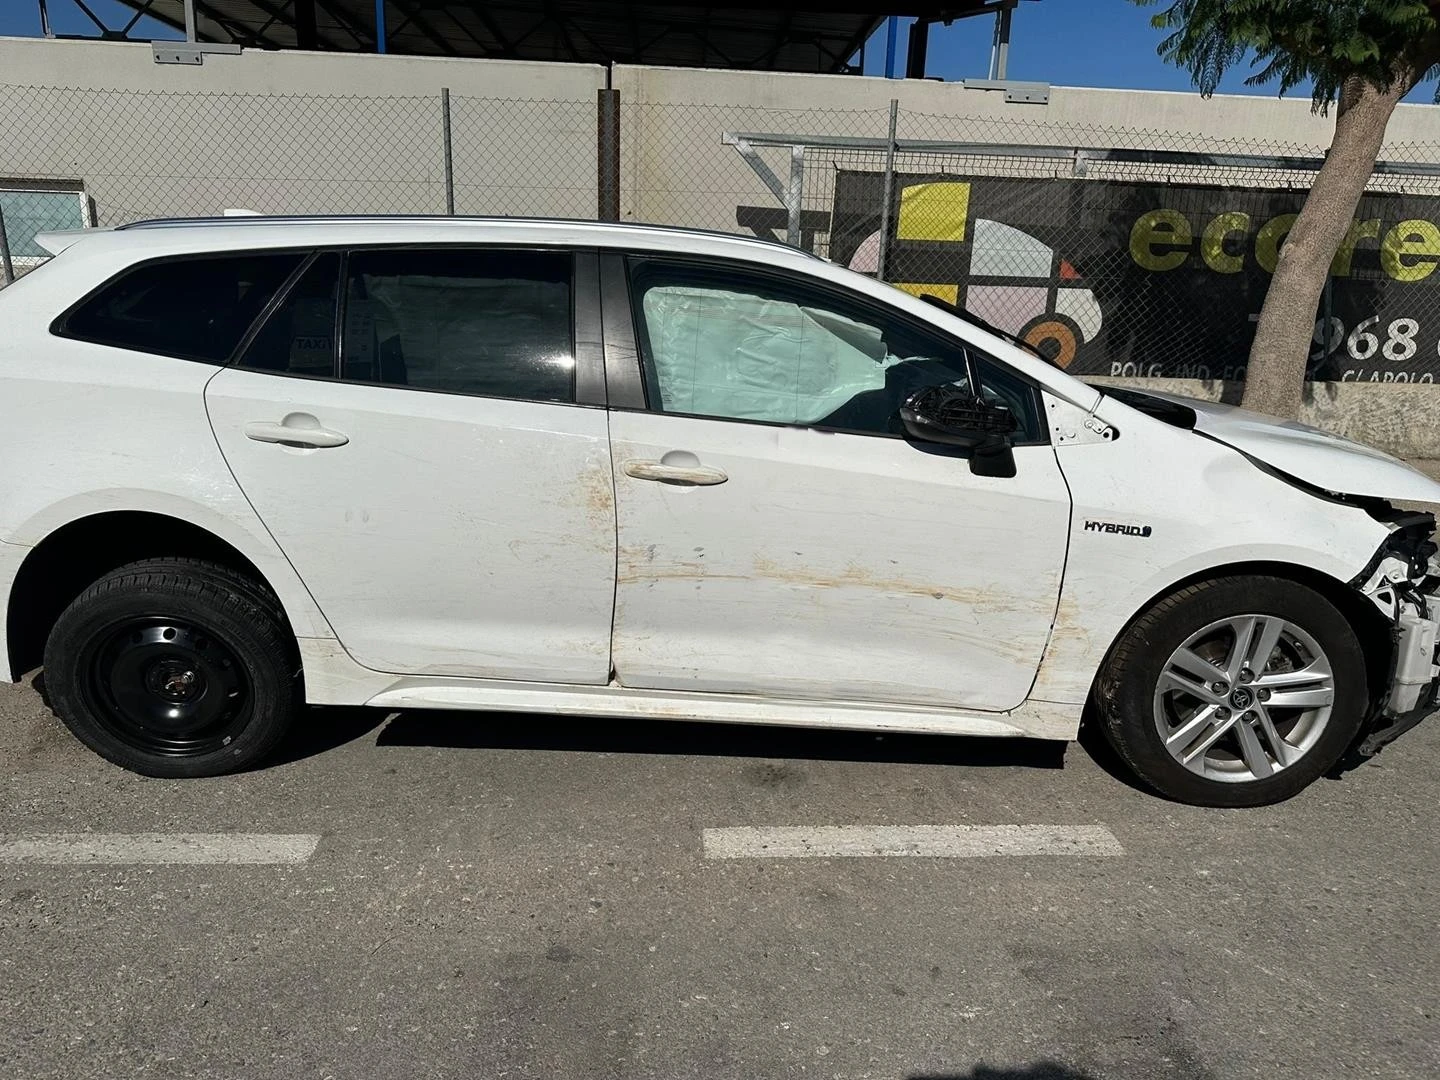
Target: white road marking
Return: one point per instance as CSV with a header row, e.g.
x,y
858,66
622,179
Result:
x,y
934,841
139,849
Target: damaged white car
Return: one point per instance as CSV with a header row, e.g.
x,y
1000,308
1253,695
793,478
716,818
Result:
x,y
616,471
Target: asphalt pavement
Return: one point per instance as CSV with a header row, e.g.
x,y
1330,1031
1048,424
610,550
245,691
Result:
x,y
475,895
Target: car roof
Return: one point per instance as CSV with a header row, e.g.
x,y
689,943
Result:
x,y
224,233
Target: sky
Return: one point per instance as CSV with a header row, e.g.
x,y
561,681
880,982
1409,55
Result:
x,y
1107,43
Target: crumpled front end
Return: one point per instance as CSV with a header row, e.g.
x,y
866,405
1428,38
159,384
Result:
x,y
1402,580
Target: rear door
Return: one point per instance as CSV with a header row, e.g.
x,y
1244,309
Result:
x,y
779,536
421,432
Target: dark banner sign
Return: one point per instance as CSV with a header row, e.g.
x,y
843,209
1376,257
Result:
x,y
1121,278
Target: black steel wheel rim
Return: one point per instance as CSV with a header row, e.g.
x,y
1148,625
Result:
x,y
166,686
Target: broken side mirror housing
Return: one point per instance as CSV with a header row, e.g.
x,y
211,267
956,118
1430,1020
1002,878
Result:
x,y
953,416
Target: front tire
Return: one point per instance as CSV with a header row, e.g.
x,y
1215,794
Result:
x,y
174,668
1235,692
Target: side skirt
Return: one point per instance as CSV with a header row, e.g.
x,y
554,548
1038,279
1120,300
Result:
x,y
1034,719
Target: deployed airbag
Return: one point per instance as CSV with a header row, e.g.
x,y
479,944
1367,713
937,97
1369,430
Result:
x,y
719,353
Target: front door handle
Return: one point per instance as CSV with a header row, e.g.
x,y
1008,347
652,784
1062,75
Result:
x,y
700,475
294,435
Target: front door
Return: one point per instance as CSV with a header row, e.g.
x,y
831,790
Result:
x,y
433,480
778,535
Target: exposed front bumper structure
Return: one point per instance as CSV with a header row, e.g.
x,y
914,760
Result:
x,y
1414,691
1402,579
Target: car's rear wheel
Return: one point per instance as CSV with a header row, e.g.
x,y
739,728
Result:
x,y
174,667
1234,692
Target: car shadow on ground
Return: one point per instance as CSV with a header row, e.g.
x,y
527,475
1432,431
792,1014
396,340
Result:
x,y
1040,1070
326,728
1093,742
510,731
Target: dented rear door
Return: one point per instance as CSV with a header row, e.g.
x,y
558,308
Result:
x,y
439,481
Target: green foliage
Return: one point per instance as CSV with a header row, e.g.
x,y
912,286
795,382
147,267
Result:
x,y
1326,41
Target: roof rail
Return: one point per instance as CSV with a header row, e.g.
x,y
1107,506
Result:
x,y
277,219
251,220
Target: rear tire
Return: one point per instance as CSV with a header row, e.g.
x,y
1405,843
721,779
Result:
x,y
1195,710
175,668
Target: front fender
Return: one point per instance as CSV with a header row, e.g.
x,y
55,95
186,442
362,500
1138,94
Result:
x,y
1181,508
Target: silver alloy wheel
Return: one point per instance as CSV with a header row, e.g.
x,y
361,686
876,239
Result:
x,y
1244,698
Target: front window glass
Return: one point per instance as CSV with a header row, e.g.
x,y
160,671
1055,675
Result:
x,y
732,345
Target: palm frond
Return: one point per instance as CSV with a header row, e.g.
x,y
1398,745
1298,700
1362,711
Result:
x,y
1291,42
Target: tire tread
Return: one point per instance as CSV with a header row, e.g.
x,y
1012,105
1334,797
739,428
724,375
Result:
x,y
213,587
1119,725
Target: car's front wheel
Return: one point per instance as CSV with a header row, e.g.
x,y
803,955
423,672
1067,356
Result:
x,y
174,667
1234,692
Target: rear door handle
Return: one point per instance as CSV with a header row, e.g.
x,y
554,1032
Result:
x,y
700,475
267,432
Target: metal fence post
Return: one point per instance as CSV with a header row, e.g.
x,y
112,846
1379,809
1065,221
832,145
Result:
x,y
7,268
883,259
607,155
449,165
795,196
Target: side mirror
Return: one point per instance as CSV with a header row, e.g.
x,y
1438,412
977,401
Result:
x,y
953,416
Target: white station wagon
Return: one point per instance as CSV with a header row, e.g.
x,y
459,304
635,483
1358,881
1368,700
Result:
x,y
607,470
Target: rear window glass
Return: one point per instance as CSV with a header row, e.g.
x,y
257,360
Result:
x,y
198,309
299,337
485,322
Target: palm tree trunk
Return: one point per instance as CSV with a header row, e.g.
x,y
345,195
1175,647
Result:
x,y
1275,378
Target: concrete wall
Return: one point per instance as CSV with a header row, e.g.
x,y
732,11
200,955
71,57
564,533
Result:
x,y
346,132
674,166
1256,122
296,132
112,65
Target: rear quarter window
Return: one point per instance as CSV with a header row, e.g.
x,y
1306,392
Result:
x,y
195,308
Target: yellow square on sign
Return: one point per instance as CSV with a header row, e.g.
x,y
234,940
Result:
x,y
933,211
949,293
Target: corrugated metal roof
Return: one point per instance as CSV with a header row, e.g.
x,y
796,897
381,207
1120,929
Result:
x,y
796,37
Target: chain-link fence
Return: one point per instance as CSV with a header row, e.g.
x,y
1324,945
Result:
x,y
172,155
1114,251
